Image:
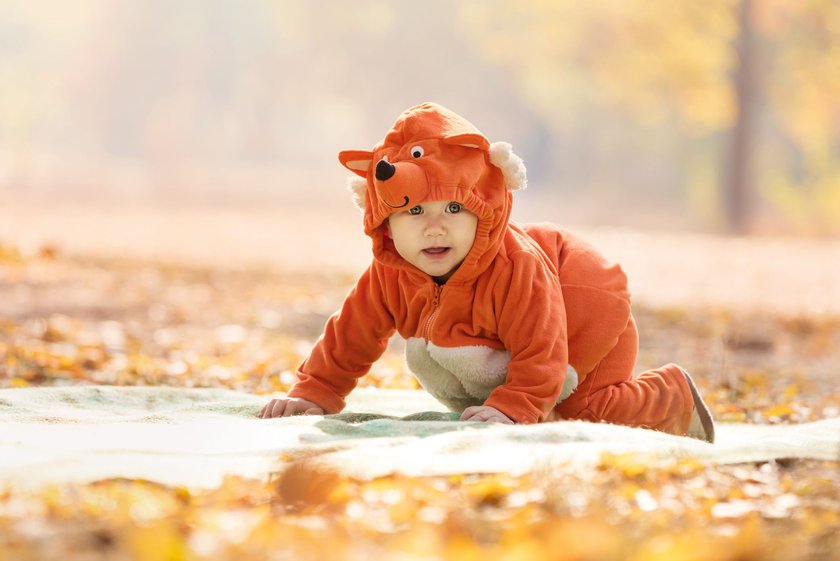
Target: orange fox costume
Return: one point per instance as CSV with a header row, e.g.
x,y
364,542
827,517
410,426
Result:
x,y
534,322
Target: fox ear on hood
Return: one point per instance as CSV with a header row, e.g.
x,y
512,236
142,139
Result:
x,y
357,161
469,139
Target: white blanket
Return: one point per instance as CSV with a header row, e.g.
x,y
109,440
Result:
x,y
195,437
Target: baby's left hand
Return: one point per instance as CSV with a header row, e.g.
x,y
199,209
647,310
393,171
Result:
x,y
485,414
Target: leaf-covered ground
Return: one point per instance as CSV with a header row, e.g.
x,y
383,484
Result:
x,y
67,320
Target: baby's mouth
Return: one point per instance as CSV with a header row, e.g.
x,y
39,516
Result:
x,y
435,252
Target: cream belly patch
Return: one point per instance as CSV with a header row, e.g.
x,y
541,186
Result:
x,y
460,377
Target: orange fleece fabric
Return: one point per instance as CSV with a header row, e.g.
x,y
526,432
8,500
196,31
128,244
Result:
x,y
539,293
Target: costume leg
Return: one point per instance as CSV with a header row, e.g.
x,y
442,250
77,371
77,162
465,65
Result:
x,y
658,399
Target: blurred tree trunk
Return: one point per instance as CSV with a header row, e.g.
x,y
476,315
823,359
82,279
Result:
x,y
737,180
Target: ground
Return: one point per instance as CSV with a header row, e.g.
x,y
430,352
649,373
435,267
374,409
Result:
x,y
234,299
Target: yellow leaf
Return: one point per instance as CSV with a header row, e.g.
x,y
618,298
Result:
x,y
687,466
732,414
790,392
677,547
628,463
161,542
524,551
490,490
781,410
464,549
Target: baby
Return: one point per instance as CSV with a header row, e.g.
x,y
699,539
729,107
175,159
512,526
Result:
x,y
502,323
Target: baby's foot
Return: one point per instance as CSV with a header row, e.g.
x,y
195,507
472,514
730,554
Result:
x,y
702,425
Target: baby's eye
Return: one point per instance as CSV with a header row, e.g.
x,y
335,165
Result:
x,y
417,152
415,210
454,208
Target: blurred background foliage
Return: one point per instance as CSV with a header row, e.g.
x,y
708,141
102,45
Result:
x,y
720,116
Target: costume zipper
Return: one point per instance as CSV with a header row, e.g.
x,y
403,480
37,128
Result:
x,y
427,328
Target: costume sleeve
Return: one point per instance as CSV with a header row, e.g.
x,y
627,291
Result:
x,y
532,326
354,338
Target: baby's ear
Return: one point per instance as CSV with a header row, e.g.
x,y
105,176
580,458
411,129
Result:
x,y
357,161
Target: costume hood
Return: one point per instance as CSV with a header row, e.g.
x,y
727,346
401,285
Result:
x,y
433,154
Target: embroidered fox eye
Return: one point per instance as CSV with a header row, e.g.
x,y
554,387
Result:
x,y
454,208
414,211
417,152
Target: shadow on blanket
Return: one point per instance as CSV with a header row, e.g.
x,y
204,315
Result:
x,y
374,425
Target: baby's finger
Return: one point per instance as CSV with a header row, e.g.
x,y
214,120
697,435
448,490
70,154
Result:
x,y
292,409
469,413
266,409
479,414
484,417
278,409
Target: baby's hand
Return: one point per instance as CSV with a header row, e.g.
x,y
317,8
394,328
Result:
x,y
485,414
288,406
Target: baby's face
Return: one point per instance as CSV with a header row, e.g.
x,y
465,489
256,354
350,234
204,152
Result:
x,y
435,237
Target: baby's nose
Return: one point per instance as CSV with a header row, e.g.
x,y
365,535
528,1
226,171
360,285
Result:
x,y
435,228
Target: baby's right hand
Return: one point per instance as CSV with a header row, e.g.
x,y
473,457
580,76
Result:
x,y
288,406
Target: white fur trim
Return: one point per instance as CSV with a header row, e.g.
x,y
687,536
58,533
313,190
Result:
x,y
358,187
512,166
570,384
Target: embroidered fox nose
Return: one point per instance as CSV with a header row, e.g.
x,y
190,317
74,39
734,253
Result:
x,y
384,170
